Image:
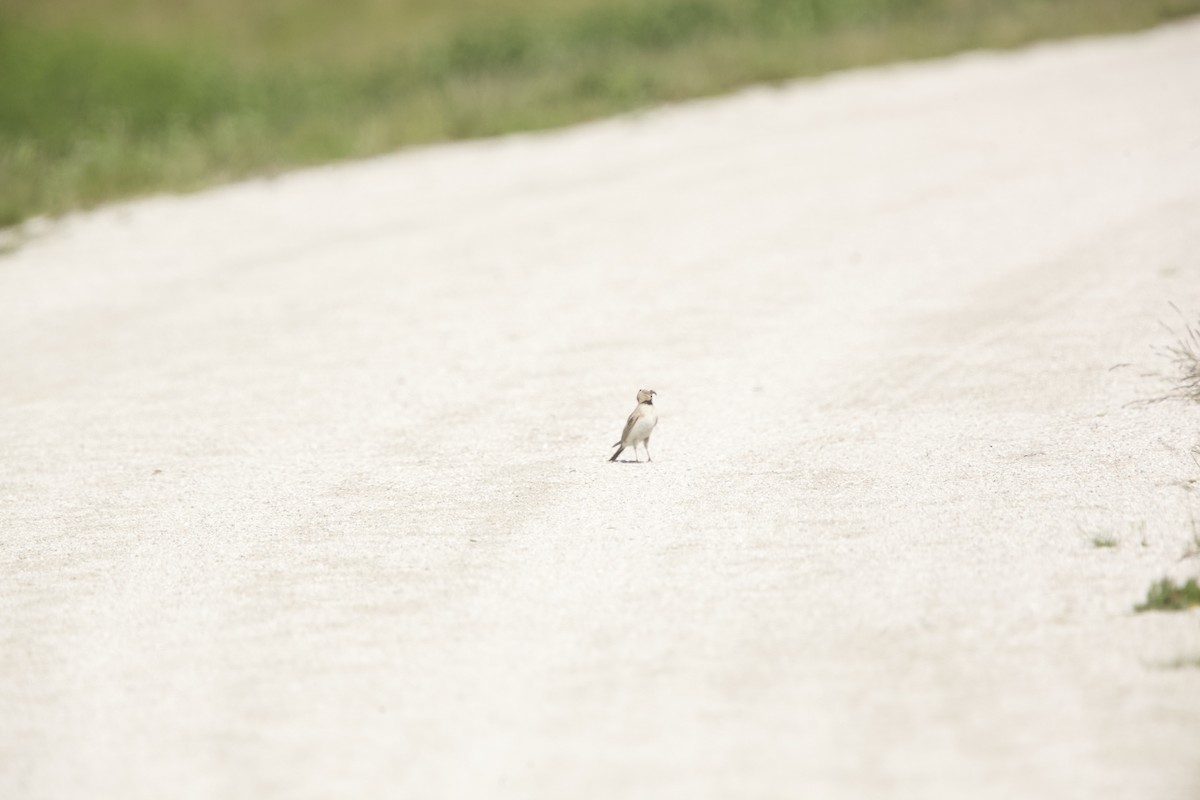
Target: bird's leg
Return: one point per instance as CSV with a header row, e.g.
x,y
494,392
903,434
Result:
x,y
635,454
646,444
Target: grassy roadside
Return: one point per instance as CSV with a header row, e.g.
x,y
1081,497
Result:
x,y
112,98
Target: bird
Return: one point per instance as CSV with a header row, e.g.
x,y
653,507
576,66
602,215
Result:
x,y
639,426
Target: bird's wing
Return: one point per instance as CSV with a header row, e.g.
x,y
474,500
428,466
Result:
x,y
629,423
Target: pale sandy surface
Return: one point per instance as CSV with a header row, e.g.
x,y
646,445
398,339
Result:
x,y
303,488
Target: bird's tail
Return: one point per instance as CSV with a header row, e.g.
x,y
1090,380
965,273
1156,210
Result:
x,y
615,444
614,455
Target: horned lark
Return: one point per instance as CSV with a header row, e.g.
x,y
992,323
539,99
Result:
x,y
639,426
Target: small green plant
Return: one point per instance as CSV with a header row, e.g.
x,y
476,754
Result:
x,y
1183,356
1166,595
1183,662
1104,540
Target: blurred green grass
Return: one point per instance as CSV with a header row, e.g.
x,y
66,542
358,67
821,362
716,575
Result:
x,y
102,99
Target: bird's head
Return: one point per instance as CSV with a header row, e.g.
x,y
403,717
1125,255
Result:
x,y
646,396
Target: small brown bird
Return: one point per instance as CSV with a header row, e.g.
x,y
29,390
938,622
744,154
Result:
x,y
639,426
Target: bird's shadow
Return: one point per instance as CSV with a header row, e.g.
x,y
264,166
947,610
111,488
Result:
x,y
628,461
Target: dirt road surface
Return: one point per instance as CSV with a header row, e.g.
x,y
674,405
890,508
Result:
x,y
304,492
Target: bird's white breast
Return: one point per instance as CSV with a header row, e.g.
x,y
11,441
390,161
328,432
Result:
x,y
642,426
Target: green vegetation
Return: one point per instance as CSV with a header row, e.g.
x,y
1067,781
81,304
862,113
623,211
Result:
x,y
1184,354
1183,374
1183,662
109,98
1102,540
1166,595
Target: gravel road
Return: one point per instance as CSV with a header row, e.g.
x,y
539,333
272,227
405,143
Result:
x,y
304,491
